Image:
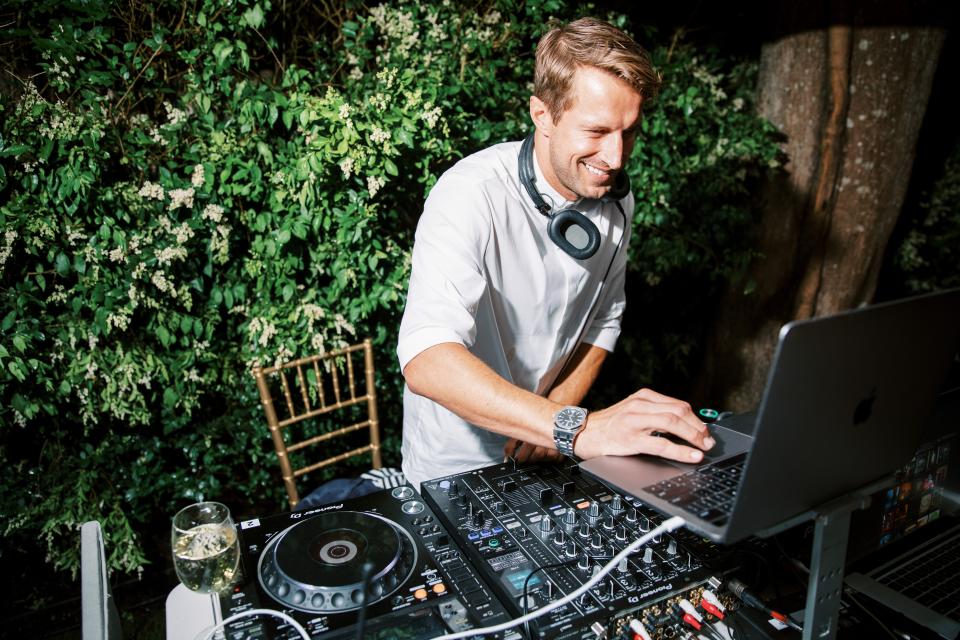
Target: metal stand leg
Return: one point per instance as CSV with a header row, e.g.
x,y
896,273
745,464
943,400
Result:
x,y
827,559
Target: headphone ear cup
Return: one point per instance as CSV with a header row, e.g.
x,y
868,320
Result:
x,y
574,233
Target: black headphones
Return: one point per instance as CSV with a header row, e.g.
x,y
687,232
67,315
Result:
x,y
569,229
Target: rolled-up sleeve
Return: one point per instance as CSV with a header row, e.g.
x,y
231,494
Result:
x,y
446,279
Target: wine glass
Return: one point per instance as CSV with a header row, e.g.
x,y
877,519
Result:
x,y
206,551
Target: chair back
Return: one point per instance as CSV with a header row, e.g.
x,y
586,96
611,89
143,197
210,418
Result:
x,y
99,617
317,386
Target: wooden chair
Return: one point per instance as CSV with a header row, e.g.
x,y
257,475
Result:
x,y
307,398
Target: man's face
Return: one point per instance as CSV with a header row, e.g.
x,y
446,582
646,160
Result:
x,y
592,140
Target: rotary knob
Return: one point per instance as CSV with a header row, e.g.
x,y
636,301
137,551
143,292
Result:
x,y
596,542
594,510
632,515
672,547
647,555
454,490
623,566
559,537
621,533
546,525
479,517
583,562
584,531
644,524
616,505
570,517
609,523
571,549
499,507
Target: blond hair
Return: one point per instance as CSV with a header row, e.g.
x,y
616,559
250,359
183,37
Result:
x,y
594,43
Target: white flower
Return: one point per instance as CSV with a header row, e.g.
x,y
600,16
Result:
x,y
378,135
430,115
197,178
374,184
181,198
151,190
344,112
212,212
346,166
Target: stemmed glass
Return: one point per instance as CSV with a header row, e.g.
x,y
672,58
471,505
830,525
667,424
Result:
x,y
206,551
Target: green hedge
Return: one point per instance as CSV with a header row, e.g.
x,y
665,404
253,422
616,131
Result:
x,y
187,192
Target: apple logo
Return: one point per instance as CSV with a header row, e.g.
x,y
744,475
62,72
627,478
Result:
x,y
864,408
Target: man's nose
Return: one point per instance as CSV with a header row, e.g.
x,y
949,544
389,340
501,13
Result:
x,y
612,151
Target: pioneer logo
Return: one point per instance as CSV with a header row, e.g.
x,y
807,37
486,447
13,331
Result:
x,y
663,587
331,507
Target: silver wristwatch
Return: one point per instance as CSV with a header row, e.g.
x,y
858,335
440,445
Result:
x,y
567,423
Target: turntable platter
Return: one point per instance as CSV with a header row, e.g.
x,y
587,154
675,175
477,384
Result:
x,y
317,565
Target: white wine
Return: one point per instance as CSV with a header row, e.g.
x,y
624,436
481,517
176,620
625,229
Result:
x,y
206,557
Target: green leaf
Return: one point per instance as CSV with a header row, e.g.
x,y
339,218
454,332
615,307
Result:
x,y
20,343
169,398
390,167
62,264
253,17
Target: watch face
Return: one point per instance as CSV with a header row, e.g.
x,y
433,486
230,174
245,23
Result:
x,y
569,418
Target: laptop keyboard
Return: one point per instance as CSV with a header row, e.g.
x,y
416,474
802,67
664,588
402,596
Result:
x,y
708,492
931,578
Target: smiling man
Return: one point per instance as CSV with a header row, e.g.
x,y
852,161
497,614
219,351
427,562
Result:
x,y
516,290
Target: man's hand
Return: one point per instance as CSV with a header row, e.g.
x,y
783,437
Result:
x,y
526,452
631,426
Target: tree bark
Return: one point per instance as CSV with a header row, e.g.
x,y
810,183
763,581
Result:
x,y
849,96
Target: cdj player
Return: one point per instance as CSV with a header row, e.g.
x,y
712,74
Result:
x,y
312,565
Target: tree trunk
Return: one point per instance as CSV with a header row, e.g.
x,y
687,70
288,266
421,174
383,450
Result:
x,y
849,96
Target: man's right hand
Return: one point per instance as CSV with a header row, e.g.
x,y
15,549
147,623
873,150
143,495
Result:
x,y
631,426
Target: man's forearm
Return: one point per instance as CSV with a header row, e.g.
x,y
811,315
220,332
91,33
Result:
x,y
578,376
456,379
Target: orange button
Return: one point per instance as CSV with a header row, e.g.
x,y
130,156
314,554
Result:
x,y
584,504
439,587
420,594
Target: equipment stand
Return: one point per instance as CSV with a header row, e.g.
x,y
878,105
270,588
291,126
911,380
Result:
x,y
827,558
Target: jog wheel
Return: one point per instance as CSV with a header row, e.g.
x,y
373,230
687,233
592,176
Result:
x,y
317,565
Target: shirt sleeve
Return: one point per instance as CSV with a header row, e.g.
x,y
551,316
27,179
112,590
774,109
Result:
x,y
446,278
604,329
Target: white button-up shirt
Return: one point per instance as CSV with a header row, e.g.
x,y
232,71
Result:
x,y
486,275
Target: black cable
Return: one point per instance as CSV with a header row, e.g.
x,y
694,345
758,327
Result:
x,y
526,588
366,571
526,583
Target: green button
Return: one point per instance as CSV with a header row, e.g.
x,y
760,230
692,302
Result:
x,y
709,414
494,542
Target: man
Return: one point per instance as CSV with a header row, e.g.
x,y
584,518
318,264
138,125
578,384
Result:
x,y
506,326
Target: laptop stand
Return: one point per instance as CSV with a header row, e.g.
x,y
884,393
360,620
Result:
x,y
828,556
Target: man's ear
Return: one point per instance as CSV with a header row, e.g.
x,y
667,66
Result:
x,y
541,117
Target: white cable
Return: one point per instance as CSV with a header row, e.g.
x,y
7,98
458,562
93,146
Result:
x,y
668,525
256,612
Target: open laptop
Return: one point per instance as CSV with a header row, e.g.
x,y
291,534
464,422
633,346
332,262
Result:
x,y
905,547
846,399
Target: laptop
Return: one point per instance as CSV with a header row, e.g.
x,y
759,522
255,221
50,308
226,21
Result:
x,y
909,537
846,398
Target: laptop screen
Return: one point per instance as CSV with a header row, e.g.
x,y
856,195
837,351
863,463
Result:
x,y
925,490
